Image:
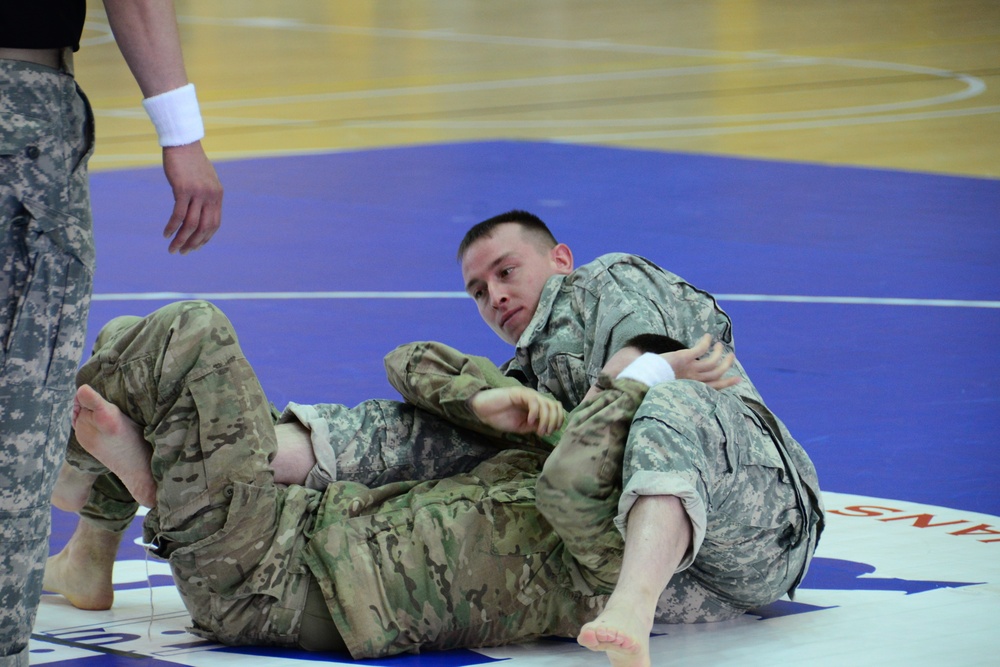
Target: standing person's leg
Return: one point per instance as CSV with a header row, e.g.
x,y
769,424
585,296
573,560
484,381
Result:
x,y
47,258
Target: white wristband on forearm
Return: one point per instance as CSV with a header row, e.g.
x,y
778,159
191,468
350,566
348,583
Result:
x,y
650,369
176,116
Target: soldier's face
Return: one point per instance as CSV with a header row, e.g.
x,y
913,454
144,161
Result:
x,y
505,273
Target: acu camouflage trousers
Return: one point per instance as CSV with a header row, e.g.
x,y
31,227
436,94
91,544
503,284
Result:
x,y
47,253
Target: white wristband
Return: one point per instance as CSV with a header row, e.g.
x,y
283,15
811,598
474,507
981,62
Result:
x,y
176,116
650,369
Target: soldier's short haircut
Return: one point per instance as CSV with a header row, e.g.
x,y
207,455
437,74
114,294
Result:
x,y
528,221
655,343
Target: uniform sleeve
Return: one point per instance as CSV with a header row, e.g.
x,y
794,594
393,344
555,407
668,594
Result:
x,y
639,297
633,296
441,380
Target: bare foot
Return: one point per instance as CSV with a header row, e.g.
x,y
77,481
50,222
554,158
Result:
x,y
81,572
622,634
72,488
116,441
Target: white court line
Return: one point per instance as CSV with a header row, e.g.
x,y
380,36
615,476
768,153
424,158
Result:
x,y
973,87
292,296
780,127
506,84
605,137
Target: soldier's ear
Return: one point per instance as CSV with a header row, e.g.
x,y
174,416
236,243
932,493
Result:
x,y
561,258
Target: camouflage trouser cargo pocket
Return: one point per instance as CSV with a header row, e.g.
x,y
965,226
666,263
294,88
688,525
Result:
x,y
179,373
245,582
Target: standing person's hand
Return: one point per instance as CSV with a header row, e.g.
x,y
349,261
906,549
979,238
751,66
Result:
x,y
197,191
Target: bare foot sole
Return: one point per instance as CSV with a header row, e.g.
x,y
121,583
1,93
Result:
x,y
624,648
82,571
72,488
116,441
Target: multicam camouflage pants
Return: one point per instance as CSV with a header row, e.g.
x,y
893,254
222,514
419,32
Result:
x,y
234,538
472,560
181,376
46,248
376,442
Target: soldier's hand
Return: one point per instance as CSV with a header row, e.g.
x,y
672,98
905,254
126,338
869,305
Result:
x,y
518,410
694,364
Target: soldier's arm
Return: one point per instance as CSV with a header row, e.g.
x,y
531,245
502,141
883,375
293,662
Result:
x,y
441,380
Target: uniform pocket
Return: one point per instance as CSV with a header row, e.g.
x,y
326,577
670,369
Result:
x,y
20,132
760,492
246,583
34,163
45,309
570,376
227,557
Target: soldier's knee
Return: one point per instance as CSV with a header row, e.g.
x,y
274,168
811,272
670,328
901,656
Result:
x,y
194,315
194,308
562,478
556,471
684,390
114,328
195,325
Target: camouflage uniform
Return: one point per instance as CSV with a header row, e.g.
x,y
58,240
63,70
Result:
x,y
465,561
585,317
497,555
47,251
746,485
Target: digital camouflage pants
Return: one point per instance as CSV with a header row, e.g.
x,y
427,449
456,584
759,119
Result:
x,y
47,253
